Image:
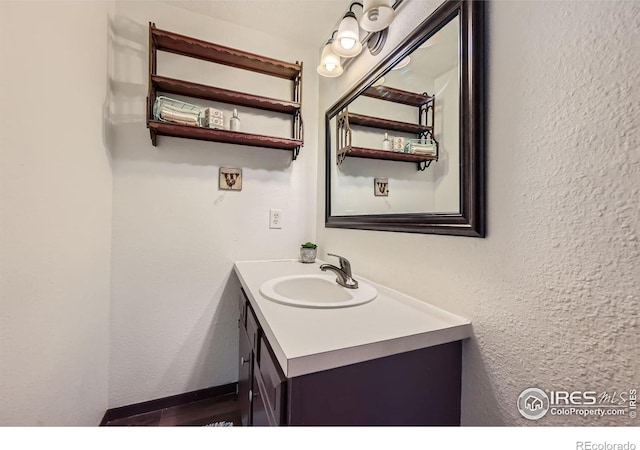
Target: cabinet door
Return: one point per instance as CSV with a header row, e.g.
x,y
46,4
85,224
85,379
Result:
x,y
261,416
253,331
245,377
269,382
242,306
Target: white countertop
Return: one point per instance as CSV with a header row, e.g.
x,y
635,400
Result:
x,y
307,340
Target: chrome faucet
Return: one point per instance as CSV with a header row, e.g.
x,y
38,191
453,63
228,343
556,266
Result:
x,y
343,273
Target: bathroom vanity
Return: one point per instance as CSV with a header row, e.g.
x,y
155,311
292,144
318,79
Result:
x,y
394,360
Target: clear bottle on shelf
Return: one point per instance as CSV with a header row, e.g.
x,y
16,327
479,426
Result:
x,y
234,122
386,143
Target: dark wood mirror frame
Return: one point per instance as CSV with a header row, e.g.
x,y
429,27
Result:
x,y
470,221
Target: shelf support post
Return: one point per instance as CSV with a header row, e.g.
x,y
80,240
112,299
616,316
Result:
x,y
343,136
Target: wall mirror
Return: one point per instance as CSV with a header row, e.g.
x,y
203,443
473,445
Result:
x,y
405,147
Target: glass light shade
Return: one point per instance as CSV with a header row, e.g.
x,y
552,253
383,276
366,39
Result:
x,y
402,63
329,62
433,40
379,82
377,15
347,42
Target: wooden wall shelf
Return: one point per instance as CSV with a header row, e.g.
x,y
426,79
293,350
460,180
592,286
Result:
x,y
224,136
181,87
187,46
162,40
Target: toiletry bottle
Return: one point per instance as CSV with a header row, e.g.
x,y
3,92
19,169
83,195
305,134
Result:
x,y
386,143
234,122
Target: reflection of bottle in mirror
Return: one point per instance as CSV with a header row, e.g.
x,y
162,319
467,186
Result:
x,y
386,143
234,122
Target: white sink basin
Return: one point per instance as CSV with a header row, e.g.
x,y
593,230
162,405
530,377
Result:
x,y
316,291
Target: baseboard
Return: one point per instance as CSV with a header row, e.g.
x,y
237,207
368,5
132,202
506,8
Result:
x,y
167,402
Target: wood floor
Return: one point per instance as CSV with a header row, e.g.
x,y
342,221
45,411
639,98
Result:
x,y
199,413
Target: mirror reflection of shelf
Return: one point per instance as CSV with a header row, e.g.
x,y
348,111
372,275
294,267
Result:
x,y
386,124
398,96
385,155
162,40
423,129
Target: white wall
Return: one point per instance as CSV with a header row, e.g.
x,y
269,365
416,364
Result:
x,y
55,214
553,290
175,235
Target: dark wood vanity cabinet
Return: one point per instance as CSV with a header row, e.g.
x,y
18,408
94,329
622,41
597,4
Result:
x,y
261,383
268,389
245,376
419,387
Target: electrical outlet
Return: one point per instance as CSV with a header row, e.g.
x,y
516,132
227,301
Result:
x,y
275,218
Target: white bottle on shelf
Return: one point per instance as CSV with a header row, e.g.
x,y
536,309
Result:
x,y
386,143
234,122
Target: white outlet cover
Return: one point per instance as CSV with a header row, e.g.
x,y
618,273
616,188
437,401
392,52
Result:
x,y
275,218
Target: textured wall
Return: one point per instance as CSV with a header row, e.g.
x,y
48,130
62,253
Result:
x,y
55,214
553,290
175,235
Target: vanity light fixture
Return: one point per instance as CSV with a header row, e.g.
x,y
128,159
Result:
x,y
330,65
378,15
347,42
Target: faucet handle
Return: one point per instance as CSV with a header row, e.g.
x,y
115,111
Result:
x,y
344,263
